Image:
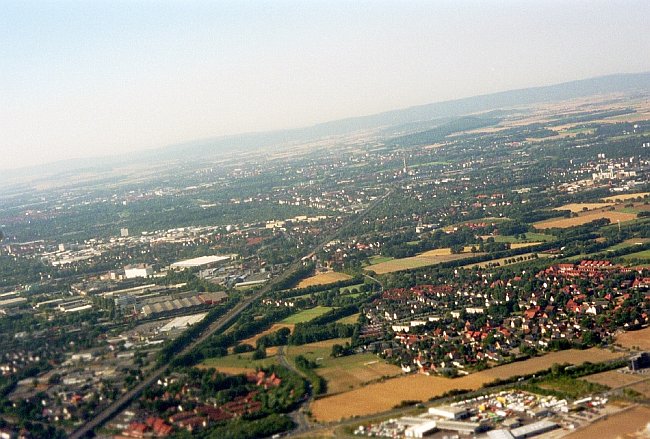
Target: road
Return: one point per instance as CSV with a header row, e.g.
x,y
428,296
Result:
x,y
298,416
87,430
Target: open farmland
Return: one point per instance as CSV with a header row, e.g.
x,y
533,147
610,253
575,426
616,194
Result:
x,y
382,396
515,245
640,339
343,373
431,257
582,207
625,197
615,379
323,279
645,255
305,315
563,223
622,424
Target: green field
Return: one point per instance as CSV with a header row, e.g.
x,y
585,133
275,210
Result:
x,y
349,319
530,237
644,255
239,361
306,315
377,259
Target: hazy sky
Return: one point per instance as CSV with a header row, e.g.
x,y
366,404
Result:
x,y
88,78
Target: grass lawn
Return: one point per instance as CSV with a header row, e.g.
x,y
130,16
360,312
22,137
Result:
x,y
238,363
306,315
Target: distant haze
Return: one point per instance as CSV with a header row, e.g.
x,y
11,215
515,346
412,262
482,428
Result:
x,y
85,79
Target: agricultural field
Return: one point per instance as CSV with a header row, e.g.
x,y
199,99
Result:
x,y
638,339
625,197
615,379
343,373
306,315
626,422
323,279
582,207
516,245
643,387
431,257
350,290
382,396
563,223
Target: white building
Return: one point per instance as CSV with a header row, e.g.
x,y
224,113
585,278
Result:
x,y
140,270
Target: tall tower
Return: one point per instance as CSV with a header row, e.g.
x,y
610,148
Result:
x,y
405,169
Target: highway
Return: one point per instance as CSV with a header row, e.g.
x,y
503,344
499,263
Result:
x,y
106,414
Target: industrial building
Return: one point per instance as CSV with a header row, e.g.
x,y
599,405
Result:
x,y
449,412
202,262
140,270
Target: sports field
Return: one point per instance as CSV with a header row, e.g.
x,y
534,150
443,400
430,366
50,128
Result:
x,y
382,396
323,279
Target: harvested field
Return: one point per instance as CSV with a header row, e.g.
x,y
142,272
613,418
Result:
x,y
379,397
640,338
626,422
643,387
323,279
581,207
563,223
625,197
615,379
523,244
252,340
431,257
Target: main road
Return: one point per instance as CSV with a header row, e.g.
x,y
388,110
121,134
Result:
x,y
107,413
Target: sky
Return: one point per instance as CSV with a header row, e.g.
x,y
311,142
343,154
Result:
x,y
96,78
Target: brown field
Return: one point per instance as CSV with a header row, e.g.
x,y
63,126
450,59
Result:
x,y
228,370
252,340
523,244
430,257
580,207
642,387
383,396
323,279
640,338
624,197
614,379
619,425
563,223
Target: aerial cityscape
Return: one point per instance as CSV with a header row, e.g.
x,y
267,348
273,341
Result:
x,y
475,265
